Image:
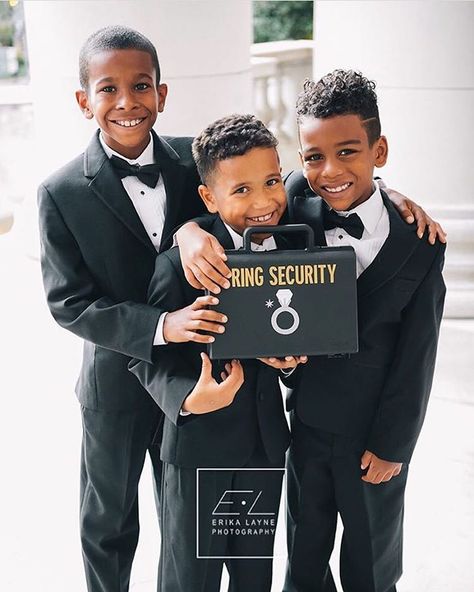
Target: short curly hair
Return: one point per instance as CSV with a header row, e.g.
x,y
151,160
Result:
x,y
341,92
112,38
233,135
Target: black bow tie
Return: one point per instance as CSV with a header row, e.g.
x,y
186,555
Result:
x,y
352,224
148,174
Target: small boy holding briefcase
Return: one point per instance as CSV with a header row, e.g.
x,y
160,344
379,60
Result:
x,y
227,417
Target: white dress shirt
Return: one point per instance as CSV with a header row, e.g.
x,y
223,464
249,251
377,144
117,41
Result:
x,y
374,216
150,205
268,244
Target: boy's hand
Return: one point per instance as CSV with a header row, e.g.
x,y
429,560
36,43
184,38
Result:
x,y
284,363
208,395
411,211
182,325
202,258
380,471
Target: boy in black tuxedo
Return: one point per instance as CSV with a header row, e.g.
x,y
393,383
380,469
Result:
x,y
102,221
356,419
232,422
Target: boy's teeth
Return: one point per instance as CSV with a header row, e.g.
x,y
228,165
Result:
x,y
337,189
262,218
129,122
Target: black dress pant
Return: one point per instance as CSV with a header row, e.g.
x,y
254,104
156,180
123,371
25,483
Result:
x,y
214,517
324,479
114,446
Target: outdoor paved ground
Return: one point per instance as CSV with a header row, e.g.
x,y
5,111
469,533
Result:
x,y
40,443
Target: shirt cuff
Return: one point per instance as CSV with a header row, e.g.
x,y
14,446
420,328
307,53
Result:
x,y
288,372
184,413
159,338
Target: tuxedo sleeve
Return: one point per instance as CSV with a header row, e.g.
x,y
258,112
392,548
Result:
x,y
74,298
205,221
401,412
173,372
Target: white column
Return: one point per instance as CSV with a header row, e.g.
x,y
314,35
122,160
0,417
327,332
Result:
x,y
203,47
420,54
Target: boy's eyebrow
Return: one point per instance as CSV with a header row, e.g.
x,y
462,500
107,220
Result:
x,y
349,142
112,79
106,79
343,143
241,183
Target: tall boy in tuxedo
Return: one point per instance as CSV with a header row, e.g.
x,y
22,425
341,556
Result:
x,y
103,218
356,419
235,424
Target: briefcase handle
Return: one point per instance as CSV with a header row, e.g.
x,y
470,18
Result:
x,y
281,229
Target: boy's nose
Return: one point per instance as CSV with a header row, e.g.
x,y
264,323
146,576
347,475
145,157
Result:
x,y
332,169
260,200
125,100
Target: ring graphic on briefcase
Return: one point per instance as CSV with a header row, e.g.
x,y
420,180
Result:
x,y
284,298
288,302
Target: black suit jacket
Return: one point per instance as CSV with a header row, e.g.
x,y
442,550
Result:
x,y
97,261
380,394
224,438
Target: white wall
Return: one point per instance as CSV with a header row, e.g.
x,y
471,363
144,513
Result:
x,y
421,56
203,47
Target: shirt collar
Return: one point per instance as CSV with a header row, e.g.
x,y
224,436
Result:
x,y
370,211
268,244
146,157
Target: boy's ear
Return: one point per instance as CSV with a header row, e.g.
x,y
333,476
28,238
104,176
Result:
x,y
381,151
162,94
207,198
83,102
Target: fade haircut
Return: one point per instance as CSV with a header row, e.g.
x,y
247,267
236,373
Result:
x,y
112,38
233,135
341,92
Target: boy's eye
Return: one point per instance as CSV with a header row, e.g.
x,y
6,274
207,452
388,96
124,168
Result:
x,y
108,89
142,86
272,182
241,190
313,157
347,152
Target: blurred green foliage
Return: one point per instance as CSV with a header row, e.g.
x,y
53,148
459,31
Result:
x,y
7,32
12,34
275,21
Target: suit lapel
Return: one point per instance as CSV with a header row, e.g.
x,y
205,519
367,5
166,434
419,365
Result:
x,y
109,189
222,234
174,177
400,244
309,210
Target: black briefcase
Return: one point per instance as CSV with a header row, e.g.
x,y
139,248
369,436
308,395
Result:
x,y
288,302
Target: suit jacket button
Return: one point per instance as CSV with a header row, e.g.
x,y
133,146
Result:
x,y
261,396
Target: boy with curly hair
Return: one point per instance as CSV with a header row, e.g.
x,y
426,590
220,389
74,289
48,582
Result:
x,y
356,419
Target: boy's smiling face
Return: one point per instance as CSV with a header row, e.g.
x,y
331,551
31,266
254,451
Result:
x,y
124,98
247,190
338,161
